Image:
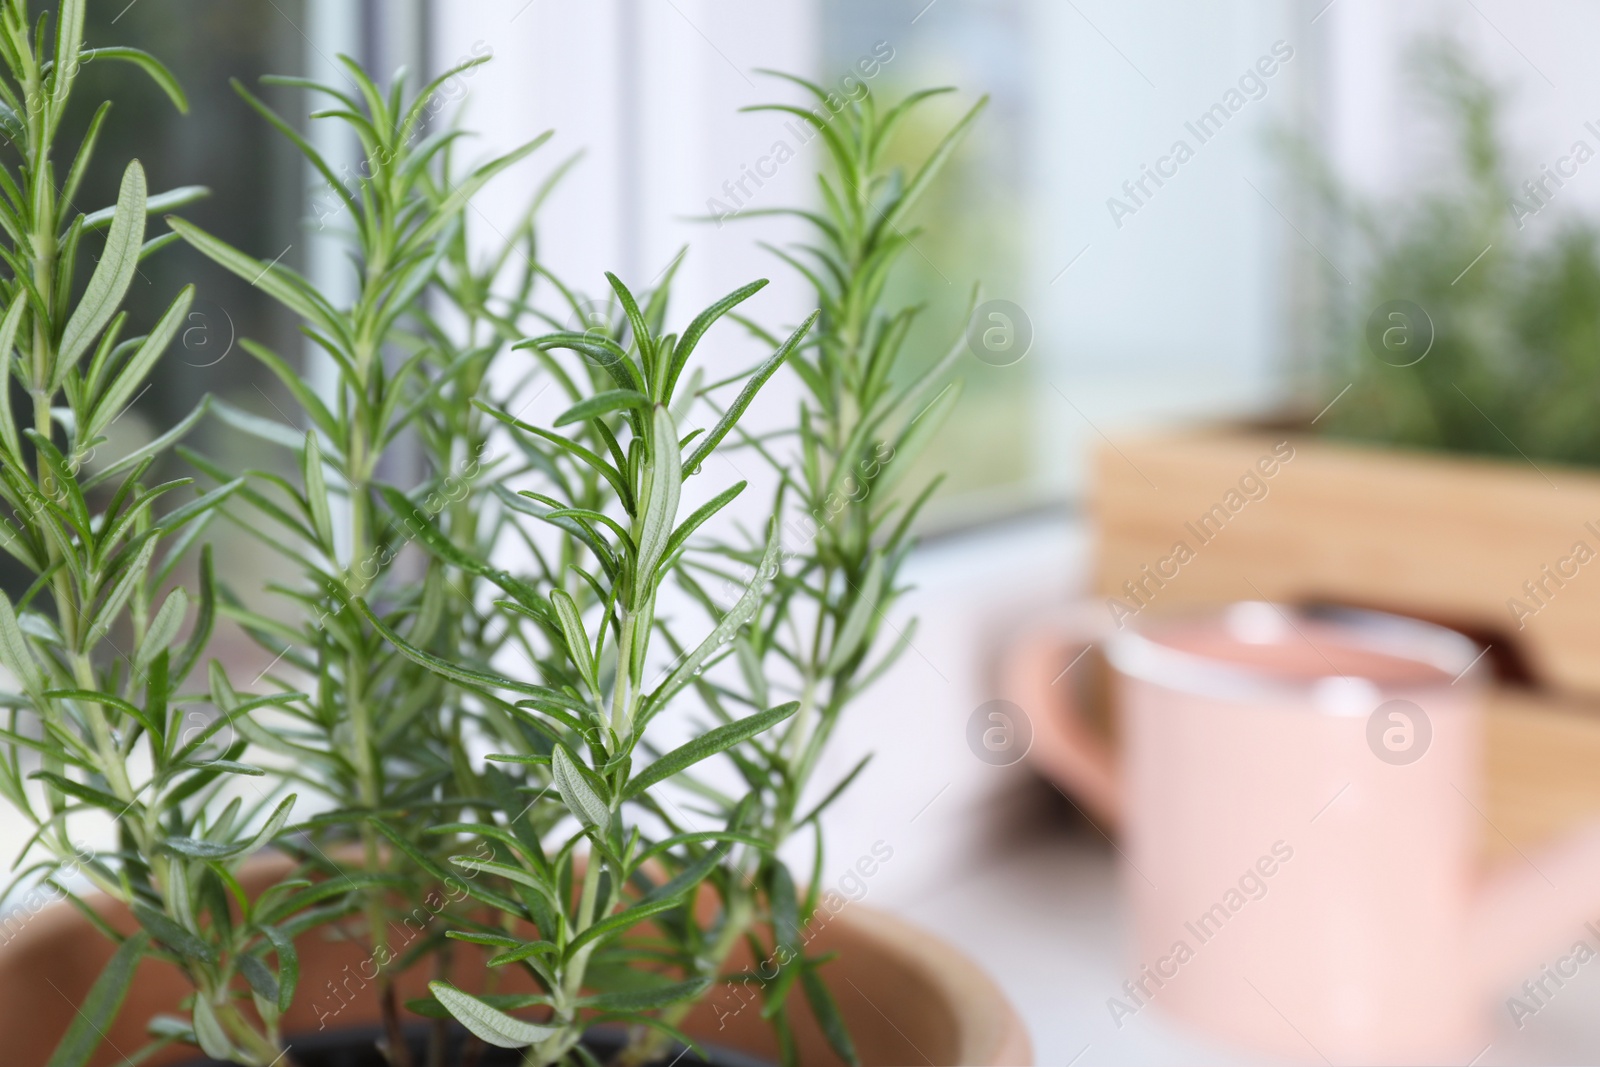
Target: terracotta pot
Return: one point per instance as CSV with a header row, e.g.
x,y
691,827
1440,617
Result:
x,y
906,996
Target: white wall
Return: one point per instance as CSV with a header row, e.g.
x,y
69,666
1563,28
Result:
x,y
1174,308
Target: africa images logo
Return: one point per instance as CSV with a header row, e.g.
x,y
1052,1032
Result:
x,y
1253,885
1140,591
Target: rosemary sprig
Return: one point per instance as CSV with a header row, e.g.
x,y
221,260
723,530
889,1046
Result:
x,y
381,739
858,431
605,871
94,642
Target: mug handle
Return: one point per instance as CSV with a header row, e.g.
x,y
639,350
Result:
x,y
1066,750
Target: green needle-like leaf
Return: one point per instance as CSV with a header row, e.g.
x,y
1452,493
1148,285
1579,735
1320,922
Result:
x,y
111,278
602,404
707,745
123,388
8,340
170,200
663,483
862,612
163,628
94,1016
826,1010
317,505
577,793
209,1033
173,936
577,640
150,65
14,651
729,418
703,322
647,999
488,1024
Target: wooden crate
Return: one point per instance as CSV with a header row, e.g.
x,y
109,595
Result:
x,y
1540,755
1503,550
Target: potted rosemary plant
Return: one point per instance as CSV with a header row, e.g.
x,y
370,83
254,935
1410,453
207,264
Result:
x,y
330,871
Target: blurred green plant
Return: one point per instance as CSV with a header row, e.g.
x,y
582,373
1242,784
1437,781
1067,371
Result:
x,y
1514,313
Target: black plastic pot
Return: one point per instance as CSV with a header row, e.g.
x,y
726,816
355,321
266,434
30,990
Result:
x,y
357,1047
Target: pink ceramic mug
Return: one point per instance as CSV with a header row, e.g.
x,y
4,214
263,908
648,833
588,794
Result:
x,y
1298,799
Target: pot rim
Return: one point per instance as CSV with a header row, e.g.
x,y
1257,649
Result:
x,y
1140,652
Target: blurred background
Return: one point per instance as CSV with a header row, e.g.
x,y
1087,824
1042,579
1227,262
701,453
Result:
x,y
1336,156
